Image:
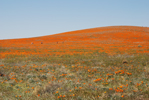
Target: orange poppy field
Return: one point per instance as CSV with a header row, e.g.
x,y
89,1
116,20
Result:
x,y
105,63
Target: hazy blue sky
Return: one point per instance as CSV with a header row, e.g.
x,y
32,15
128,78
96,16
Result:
x,y
32,18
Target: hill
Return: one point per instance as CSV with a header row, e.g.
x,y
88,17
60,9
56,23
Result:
x,y
111,40
105,63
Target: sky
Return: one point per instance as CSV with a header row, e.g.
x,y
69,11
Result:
x,y
33,18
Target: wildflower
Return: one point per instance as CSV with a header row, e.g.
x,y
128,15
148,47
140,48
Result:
x,y
134,91
64,96
121,86
97,80
126,85
90,84
89,70
80,87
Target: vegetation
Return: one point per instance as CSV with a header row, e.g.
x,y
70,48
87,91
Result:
x,y
81,77
109,63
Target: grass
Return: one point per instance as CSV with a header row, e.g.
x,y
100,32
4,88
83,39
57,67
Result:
x,y
75,77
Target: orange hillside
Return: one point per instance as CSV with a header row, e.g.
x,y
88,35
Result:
x,y
111,40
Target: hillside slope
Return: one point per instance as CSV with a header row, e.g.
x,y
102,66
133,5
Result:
x,y
111,40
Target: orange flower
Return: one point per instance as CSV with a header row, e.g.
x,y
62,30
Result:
x,y
64,96
121,86
97,80
56,91
134,91
90,84
80,87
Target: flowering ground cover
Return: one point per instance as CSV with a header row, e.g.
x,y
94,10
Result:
x,y
107,63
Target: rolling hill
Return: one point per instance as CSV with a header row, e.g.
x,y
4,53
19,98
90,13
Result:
x,y
105,63
111,40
